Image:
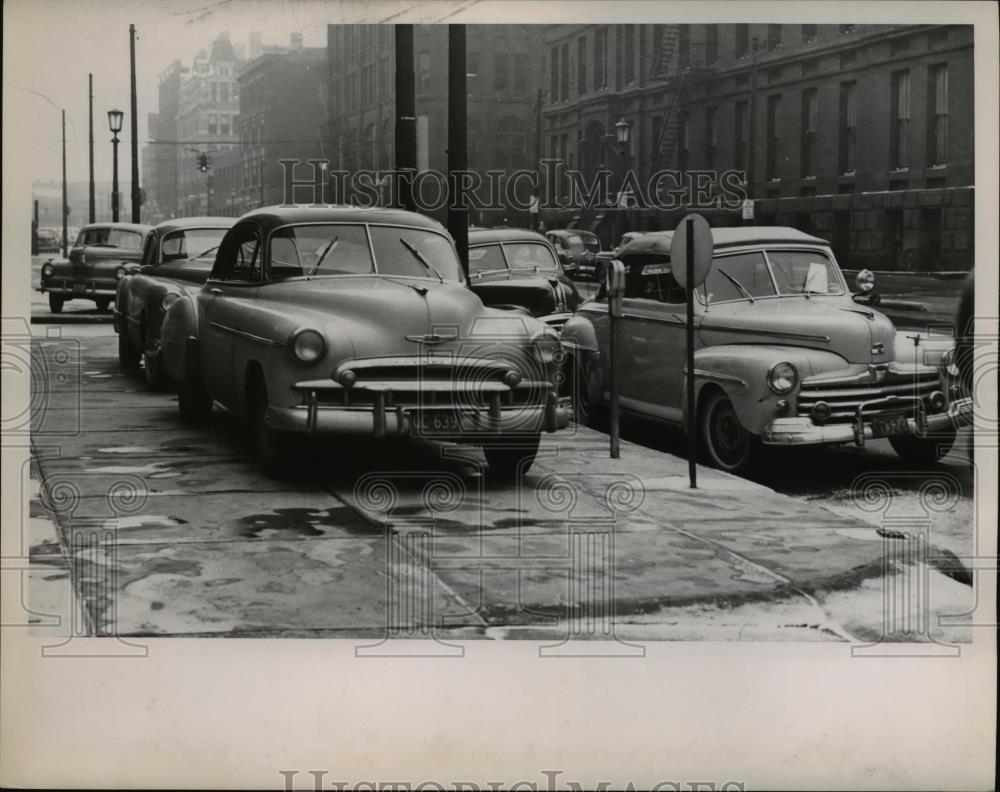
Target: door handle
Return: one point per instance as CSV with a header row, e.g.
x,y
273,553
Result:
x,y
215,291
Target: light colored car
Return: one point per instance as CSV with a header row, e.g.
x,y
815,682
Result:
x,y
102,255
177,259
783,355
331,321
569,247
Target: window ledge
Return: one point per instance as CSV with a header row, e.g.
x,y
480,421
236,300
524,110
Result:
x,y
899,172
938,168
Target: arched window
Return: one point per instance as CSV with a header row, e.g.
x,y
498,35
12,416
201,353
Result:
x,y
511,143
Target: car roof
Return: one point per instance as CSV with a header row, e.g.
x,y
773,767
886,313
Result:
x,y
142,228
566,231
271,217
179,223
658,242
482,236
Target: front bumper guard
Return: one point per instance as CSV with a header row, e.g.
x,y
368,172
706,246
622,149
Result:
x,y
382,418
803,431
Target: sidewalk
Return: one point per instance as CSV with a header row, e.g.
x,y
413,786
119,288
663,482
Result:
x,y
400,540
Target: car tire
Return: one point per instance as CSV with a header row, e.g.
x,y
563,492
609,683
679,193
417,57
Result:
x,y
128,355
726,443
272,448
508,457
56,302
194,402
103,303
923,450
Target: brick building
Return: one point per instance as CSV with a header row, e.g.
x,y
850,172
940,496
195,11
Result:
x,y
861,134
504,64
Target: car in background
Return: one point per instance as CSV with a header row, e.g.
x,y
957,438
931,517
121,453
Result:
x,y
518,269
783,355
569,247
49,240
177,259
101,256
326,321
602,258
592,247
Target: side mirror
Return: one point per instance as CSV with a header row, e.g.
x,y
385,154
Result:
x,y
615,287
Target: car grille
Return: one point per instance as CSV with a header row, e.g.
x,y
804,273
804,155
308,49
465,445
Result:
x,y
845,396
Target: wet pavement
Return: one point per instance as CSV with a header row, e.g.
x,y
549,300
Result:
x,y
141,525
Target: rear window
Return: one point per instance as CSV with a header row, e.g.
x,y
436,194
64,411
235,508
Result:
x,y
530,255
488,258
110,237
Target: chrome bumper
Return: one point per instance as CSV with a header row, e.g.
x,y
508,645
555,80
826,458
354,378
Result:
x,y
802,430
87,289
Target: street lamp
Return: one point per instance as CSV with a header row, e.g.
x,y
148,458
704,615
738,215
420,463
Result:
x,y
623,131
115,118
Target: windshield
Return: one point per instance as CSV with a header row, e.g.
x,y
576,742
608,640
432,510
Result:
x,y
531,255
486,258
575,243
344,250
804,272
738,277
591,241
110,237
191,243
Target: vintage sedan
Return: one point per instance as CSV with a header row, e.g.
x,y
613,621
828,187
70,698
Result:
x,y
517,269
102,255
331,321
569,248
783,355
178,258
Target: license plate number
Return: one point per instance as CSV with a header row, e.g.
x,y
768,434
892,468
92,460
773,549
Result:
x,y
438,422
889,425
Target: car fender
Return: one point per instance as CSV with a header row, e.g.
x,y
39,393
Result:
x,y
179,325
741,370
580,342
121,304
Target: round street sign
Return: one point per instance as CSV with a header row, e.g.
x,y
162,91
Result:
x,y
700,241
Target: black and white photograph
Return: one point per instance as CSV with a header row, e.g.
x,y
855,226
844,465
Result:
x,y
380,376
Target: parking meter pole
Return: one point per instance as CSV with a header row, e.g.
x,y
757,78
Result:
x,y
613,384
692,418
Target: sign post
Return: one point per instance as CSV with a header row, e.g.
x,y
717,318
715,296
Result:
x,y
615,285
691,255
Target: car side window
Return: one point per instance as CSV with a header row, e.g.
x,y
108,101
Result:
x,y
486,258
239,256
655,281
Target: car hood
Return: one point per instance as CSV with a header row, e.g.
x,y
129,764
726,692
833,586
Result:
x,y
857,334
541,294
383,316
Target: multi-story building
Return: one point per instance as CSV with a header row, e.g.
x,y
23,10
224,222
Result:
x,y
504,64
160,155
280,117
206,121
861,134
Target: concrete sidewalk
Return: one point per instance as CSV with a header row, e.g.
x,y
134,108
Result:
x,y
168,529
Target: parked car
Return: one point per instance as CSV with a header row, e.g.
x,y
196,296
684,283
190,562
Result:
x,y
602,258
177,258
783,357
328,321
49,240
102,255
518,269
569,248
588,264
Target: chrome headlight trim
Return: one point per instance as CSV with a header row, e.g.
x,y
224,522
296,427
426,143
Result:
x,y
307,345
782,378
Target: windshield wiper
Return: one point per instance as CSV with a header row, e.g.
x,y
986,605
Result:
x,y
805,285
329,246
420,257
205,252
737,284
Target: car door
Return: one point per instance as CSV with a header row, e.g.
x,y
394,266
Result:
x,y
224,304
135,292
655,318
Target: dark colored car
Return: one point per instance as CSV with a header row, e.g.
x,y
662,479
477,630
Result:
x,y
517,269
569,247
48,240
178,258
102,255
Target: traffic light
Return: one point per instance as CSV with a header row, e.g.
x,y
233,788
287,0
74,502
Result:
x,y
203,163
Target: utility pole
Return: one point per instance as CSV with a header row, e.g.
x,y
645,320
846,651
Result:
x,y
135,131
406,115
458,159
34,231
752,168
65,205
91,216
538,150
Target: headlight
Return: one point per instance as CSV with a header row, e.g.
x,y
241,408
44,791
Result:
x,y
168,299
307,345
120,273
782,378
47,271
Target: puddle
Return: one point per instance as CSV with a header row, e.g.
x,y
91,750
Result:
x,y
306,522
143,521
125,450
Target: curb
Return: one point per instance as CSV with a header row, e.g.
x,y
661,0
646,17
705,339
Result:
x,y
60,319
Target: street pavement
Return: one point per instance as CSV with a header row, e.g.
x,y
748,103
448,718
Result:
x,y
158,528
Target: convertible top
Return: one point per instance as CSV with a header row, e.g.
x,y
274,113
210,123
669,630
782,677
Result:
x,y
658,242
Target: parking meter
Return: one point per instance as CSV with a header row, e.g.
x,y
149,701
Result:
x,y
615,287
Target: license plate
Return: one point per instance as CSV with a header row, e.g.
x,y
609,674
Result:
x,y
889,425
437,422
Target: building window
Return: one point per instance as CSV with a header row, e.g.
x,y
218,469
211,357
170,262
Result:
x,y
711,44
742,40
711,136
213,124
773,137
809,33
809,112
938,116
511,143
848,125
683,45
554,74
683,141
900,130
773,37
630,53
564,73
742,119
224,125
581,65
600,59
501,65
424,71
224,92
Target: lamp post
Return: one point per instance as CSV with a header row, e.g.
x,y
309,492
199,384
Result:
x,y
115,118
623,131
